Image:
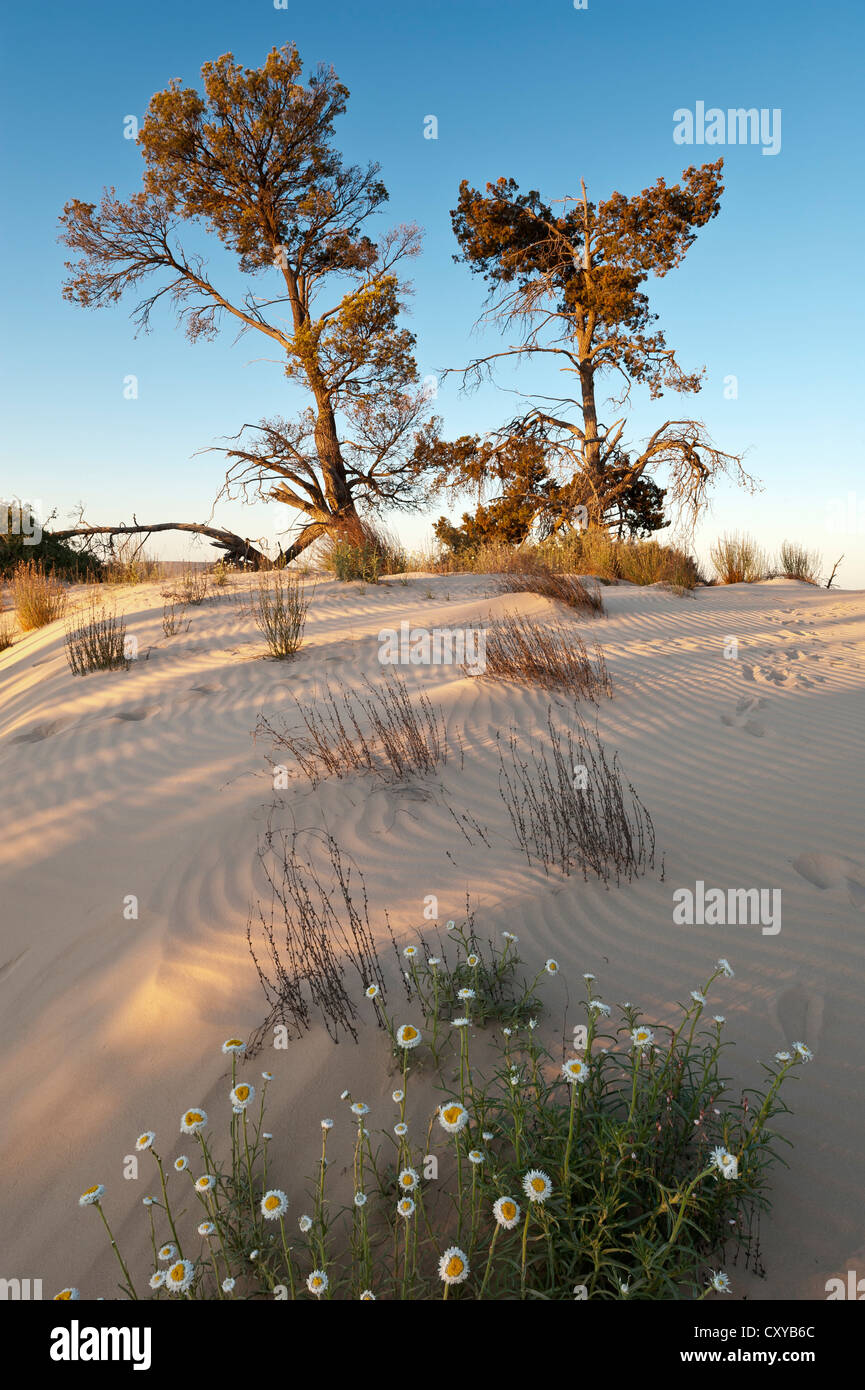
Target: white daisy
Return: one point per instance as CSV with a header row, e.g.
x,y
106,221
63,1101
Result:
x,y
724,964
409,952
274,1204
328,1124
802,1051
454,1266
398,1097
405,1206
305,1224
552,967
726,1163
205,1184
367,1296
193,1121
206,1228
242,1095
400,1129
720,1281
179,1276
473,961
476,1156
600,1007
359,1108
181,1164
93,1194
267,1076
145,1140
168,1252
408,1180
157,1279
433,961
718,1018
407,1036
506,1212
460,1022
783,1056
466,994
317,1282
227,1285
235,1045
642,1037
575,1070
453,1117
697,997
372,991
537,1185
487,1135
509,936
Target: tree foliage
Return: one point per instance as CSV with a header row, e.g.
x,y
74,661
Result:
x,y
252,160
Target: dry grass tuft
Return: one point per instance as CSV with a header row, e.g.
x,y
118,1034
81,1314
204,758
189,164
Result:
x,y
97,644
797,562
572,808
565,588
382,733
551,655
279,607
738,559
39,597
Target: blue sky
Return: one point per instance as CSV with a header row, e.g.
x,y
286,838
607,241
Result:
x,y
542,92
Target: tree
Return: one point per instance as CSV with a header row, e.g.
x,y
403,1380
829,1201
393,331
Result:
x,y
571,284
252,160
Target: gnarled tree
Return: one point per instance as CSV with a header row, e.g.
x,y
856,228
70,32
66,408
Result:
x,y
252,160
571,286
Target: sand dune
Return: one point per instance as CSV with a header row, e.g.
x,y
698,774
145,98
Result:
x,y
149,784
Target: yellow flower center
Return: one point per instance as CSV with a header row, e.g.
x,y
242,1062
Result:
x,y
538,1184
452,1114
316,1283
91,1190
271,1203
66,1294
508,1211
234,1042
193,1117
176,1274
409,1032
242,1092
454,1266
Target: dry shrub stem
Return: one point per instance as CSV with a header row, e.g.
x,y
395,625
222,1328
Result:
x,y
552,655
400,738
309,941
571,807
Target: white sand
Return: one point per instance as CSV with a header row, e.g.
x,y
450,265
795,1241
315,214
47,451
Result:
x,y
149,783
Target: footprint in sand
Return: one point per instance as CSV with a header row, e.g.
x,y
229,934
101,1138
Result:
x,y
834,871
743,718
797,1013
39,732
132,716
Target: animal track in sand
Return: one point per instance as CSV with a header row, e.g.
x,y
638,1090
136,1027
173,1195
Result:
x,y
132,716
740,718
833,871
40,732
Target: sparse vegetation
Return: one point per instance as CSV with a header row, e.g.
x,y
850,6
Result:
x,y
549,583
738,559
797,562
400,737
39,597
7,631
551,654
571,807
279,606
361,550
97,644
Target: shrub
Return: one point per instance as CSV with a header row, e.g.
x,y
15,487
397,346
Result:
x,y
98,644
629,1170
7,632
571,807
279,607
738,559
129,564
400,738
566,588
38,596
796,562
361,550
551,655
53,555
